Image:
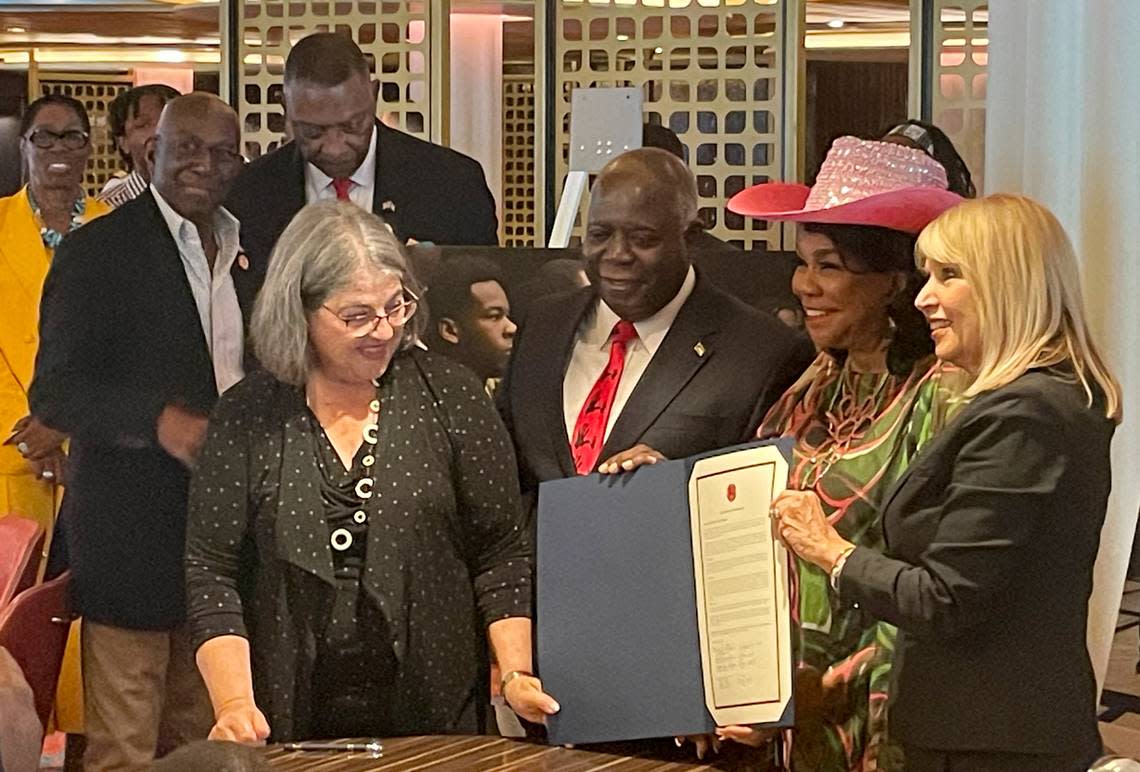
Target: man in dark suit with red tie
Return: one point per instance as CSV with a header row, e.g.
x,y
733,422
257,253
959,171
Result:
x,y
339,150
651,359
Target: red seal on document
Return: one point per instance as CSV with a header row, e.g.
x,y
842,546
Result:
x,y
731,492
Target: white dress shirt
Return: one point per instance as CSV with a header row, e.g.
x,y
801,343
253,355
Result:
x,y
214,295
592,354
319,186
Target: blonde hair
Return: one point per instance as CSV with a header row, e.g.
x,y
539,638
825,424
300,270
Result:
x,y
1026,284
316,256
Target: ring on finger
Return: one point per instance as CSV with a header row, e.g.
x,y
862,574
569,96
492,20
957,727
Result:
x,y
22,448
47,474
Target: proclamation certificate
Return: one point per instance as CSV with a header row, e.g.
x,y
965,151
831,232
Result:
x,y
741,578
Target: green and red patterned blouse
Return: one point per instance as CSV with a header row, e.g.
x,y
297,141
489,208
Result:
x,y
855,434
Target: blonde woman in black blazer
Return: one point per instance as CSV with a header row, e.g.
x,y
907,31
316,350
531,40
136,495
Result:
x,y
993,531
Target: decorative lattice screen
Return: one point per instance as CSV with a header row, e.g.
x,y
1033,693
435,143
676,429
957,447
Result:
x,y
394,35
518,225
96,92
959,89
710,71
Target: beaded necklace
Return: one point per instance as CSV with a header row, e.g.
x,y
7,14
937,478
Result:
x,y
50,236
341,538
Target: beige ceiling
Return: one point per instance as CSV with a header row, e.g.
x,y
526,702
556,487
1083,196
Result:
x,y
167,23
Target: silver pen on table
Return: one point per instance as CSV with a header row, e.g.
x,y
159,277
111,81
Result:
x,y
372,747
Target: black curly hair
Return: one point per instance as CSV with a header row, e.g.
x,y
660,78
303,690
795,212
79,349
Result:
x,y
871,249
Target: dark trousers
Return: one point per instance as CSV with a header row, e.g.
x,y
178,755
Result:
x,y
925,760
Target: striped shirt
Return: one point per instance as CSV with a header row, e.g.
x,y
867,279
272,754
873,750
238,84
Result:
x,y
128,188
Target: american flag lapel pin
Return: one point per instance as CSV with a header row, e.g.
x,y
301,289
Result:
x,y
699,348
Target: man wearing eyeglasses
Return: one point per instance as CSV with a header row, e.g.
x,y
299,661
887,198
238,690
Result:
x,y
340,150
141,329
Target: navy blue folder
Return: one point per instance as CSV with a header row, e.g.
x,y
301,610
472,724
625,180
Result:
x,y
618,644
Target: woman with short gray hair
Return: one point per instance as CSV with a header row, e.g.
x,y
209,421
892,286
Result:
x,y
354,512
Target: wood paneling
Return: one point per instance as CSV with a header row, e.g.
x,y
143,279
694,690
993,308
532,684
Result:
x,y
186,22
863,98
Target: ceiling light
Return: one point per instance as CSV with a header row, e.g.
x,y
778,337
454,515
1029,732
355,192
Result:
x,y
659,50
623,37
171,56
17,30
836,23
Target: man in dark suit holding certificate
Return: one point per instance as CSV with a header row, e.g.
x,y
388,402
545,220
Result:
x,y
650,360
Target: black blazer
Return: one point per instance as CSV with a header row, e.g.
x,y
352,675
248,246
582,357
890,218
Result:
x,y
691,398
991,535
446,556
120,338
438,195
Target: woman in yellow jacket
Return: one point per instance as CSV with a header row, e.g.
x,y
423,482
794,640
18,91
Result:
x,y
55,143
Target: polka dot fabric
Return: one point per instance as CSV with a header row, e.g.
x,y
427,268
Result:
x,y
446,552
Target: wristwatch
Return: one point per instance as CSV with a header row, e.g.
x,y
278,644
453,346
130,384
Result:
x,y
508,677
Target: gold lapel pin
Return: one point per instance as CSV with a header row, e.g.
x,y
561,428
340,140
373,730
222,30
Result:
x,y
699,348
242,261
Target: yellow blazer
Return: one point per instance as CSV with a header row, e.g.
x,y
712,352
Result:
x,y
24,262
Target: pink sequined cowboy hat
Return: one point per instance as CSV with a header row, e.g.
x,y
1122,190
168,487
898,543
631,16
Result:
x,y
861,182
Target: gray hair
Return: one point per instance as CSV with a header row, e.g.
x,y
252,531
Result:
x,y
315,257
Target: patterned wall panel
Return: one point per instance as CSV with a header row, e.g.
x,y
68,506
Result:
x,y
958,93
96,92
710,71
392,34
518,223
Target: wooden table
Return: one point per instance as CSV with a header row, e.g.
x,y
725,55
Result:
x,y
473,754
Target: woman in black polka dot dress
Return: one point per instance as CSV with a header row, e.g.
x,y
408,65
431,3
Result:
x,y
355,538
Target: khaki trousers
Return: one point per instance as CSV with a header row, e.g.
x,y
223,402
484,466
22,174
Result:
x,y
143,697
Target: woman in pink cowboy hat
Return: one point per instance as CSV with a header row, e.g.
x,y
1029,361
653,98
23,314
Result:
x,y
993,529
873,396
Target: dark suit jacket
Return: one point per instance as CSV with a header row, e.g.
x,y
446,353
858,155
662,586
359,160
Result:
x,y
992,534
439,195
120,338
685,403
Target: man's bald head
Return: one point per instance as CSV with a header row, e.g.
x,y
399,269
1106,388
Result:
x,y
198,106
653,171
643,207
195,154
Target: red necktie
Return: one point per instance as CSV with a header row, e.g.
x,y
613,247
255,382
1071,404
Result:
x,y
341,185
590,428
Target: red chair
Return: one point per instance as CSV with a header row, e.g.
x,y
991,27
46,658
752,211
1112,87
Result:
x,y
33,628
21,542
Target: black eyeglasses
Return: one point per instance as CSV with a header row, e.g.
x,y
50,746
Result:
x,y
72,139
363,320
